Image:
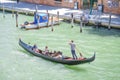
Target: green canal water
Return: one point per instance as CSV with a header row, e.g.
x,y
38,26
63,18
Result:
x,y
18,64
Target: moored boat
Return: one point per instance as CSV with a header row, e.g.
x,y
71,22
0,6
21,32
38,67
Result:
x,y
40,20
63,60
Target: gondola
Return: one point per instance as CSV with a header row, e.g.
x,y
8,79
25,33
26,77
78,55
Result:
x,y
65,60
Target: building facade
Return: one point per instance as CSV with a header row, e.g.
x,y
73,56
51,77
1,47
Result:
x,y
113,8
81,4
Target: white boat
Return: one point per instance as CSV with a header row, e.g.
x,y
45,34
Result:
x,y
40,21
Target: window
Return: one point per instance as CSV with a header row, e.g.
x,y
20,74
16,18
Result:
x,y
114,4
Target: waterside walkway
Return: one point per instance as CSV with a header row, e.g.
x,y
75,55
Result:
x,y
63,12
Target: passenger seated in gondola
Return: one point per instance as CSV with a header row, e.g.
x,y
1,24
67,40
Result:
x,y
53,54
35,48
57,55
46,51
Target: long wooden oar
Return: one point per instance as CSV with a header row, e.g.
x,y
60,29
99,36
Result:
x,y
79,52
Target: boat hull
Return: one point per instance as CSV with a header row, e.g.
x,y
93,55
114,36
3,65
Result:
x,y
35,26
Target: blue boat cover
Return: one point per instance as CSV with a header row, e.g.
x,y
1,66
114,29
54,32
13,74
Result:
x,y
42,17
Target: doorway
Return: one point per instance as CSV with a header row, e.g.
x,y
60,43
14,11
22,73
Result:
x,y
86,4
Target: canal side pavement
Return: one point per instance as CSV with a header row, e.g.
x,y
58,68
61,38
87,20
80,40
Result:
x,y
63,12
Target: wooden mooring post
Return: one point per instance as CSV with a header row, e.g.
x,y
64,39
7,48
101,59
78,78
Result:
x,y
3,11
58,17
13,11
81,24
109,25
48,18
72,20
16,15
38,21
52,23
36,8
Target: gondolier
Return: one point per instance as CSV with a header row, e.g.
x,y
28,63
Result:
x,y
73,46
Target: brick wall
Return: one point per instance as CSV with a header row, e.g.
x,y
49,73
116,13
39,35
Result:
x,y
67,4
55,3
